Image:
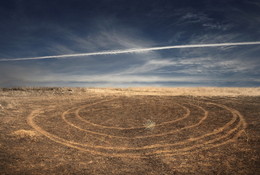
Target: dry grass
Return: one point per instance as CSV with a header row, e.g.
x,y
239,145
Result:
x,y
149,124
161,91
25,134
180,91
129,130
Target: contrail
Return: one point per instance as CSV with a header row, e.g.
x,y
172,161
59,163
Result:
x,y
138,50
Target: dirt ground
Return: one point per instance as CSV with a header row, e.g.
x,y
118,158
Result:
x,y
83,131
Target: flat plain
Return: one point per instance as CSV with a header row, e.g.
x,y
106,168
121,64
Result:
x,y
129,131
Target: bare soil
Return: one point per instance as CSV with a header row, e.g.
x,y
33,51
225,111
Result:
x,y
82,131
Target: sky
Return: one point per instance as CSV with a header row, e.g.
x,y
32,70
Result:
x,y
107,42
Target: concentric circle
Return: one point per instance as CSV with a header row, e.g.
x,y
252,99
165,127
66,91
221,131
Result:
x,y
143,126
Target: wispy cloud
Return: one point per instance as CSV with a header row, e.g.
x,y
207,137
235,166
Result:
x,y
199,47
148,67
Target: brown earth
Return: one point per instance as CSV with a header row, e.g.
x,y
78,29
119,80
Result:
x,y
128,131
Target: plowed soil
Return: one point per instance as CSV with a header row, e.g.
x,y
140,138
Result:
x,y
57,132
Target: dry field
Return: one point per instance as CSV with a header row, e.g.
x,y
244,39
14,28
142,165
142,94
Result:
x,y
130,131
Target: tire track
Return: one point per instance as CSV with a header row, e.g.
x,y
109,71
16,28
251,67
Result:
x,y
132,128
204,117
227,134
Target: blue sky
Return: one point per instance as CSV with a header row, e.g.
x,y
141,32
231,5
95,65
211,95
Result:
x,y
35,28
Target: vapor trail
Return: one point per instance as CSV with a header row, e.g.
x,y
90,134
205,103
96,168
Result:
x,y
138,50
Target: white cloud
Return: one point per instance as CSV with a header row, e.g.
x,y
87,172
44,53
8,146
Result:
x,y
134,50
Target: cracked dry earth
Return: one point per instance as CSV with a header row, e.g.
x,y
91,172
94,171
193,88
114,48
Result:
x,y
138,134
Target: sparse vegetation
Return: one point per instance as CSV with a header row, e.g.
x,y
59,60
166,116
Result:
x,y
133,130
25,134
149,124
